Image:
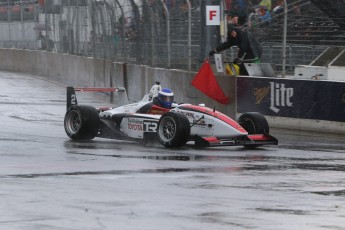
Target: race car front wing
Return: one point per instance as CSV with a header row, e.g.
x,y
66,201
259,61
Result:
x,y
245,140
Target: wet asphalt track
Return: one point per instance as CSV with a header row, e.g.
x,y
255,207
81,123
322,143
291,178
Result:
x,y
49,182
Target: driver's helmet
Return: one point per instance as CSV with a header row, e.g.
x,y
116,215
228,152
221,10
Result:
x,y
165,98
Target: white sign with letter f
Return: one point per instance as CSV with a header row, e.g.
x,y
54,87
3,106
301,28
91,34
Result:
x,y
213,15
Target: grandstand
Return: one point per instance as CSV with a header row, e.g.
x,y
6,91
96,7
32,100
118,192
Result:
x,y
317,23
311,29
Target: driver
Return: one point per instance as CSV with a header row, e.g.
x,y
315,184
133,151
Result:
x,y
161,103
164,99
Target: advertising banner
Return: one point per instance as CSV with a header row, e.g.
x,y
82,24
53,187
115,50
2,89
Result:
x,y
318,100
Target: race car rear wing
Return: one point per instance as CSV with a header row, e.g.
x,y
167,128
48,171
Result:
x,y
119,93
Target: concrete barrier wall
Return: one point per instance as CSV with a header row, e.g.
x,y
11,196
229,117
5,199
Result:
x,y
137,79
88,72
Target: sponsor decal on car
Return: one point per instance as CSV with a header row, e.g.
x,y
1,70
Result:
x,y
150,126
135,124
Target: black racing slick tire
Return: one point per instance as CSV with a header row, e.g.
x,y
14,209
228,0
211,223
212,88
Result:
x,y
254,123
81,122
173,130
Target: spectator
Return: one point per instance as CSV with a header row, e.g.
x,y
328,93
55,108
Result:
x,y
239,38
170,4
267,4
65,44
49,44
233,18
41,41
253,18
115,38
239,9
40,36
279,7
253,3
184,7
92,36
241,5
265,16
297,10
228,4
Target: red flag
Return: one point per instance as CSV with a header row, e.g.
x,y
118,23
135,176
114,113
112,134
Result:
x,y
206,82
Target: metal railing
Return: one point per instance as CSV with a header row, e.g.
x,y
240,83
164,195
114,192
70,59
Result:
x,y
160,33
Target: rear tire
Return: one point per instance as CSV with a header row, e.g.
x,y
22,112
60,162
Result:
x,y
173,130
81,122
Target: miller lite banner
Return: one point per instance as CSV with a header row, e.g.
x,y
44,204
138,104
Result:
x,y
305,99
213,15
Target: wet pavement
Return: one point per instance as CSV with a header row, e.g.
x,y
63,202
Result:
x,y
50,182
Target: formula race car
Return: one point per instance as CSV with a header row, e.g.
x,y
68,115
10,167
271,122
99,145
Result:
x,y
173,128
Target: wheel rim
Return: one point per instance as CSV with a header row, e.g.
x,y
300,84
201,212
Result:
x,y
73,122
167,129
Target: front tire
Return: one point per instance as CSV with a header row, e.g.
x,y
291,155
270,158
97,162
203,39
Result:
x,y
81,122
254,123
173,130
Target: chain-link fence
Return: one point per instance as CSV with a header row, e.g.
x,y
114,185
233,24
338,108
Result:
x,y
168,33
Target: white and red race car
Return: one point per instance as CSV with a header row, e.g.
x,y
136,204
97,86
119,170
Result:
x,y
173,128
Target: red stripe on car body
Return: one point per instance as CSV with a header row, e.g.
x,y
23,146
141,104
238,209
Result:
x,y
215,114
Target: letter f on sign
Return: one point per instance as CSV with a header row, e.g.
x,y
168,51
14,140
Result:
x,y
212,15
